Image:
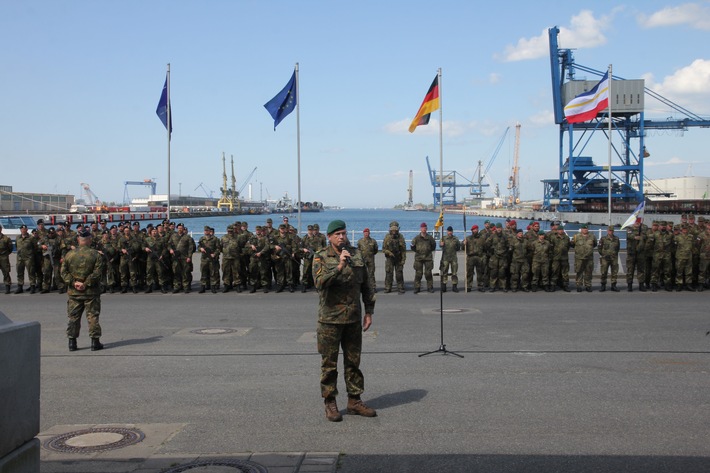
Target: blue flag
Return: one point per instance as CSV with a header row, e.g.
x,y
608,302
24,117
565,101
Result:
x,y
162,109
284,102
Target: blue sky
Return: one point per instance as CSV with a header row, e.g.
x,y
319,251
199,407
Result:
x,y
81,81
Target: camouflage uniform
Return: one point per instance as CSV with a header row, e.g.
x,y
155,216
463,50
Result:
x,y
541,250
684,244
704,257
584,259
662,248
5,250
450,245
181,247
368,248
282,259
130,247
560,260
209,248
231,260
636,256
475,259
423,246
497,249
518,263
86,265
259,250
26,247
340,318
395,251
155,270
608,249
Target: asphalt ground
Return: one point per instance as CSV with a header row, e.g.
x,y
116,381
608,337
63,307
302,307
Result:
x,y
573,382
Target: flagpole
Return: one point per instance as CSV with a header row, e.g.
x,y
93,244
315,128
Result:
x,y
169,130
609,146
298,146
441,150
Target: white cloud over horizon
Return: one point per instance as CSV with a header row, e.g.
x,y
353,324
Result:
x,y
696,15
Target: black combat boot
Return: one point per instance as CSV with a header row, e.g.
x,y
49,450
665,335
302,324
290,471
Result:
x,y
32,289
19,290
202,289
225,289
164,288
7,289
253,289
455,288
630,287
214,289
565,288
614,288
134,289
603,288
239,288
72,344
124,289
150,289
291,288
280,288
96,344
642,287
304,288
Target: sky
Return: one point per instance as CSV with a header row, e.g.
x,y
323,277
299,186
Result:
x,y
81,80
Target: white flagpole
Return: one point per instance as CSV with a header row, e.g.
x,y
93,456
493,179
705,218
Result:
x,y
441,150
298,146
168,128
609,146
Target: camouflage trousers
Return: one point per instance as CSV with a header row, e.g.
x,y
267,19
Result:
x,y
496,271
182,272
76,305
662,269
5,269
22,264
231,272
154,272
394,270
560,272
518,273
683,271
540,273
423,267
47,273
209,271
583,268
307,273
605,264
331,337
370,265
260,272
635,264
129,271
475,266
444,268
284,271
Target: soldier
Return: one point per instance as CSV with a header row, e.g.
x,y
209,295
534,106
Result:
x,y
518,249
282,259
650,243
259,250
231,259
497,249
662,249
584,244
81,271
26,246
608,249
209,249
423,246
156,250
342,280
368,249
130,246
541,250
636,255
243,237
181,247
5,251
559,274
395,251
449,244
703,255
475,259
297,252
684,244
308,249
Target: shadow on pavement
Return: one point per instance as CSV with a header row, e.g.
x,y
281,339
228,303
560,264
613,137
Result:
x,y
397,399
133,341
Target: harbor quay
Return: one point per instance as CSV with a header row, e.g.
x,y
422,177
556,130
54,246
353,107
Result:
x,y
573,382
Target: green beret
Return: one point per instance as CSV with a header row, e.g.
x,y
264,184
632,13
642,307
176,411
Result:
x,y
584,225
499,225
316,226
282,227
230,227
310,227
335,225
207,227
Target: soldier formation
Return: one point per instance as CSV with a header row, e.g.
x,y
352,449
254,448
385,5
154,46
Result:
x,y
498,258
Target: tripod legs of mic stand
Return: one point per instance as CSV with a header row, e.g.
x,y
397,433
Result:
x,y
442,348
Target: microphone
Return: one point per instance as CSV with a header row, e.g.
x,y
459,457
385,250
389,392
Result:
x,y
347,258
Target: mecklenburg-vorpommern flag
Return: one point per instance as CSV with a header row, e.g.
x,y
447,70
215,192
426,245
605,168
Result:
x,y
163,106
636,215
430,104
284,102
586,106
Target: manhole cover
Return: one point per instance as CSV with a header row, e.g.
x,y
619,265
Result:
x,y
98,439
213,331
226,466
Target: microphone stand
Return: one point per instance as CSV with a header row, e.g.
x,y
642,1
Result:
x,y
442,347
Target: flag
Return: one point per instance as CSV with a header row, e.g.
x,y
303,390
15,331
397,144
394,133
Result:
x,y
284,102
439,222
586,106
430,104
638,214
163,106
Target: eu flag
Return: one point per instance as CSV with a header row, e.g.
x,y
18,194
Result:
x,y
162,109
283,103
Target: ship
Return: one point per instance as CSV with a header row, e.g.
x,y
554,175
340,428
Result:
x,y
287,205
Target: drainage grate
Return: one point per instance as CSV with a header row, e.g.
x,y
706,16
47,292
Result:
x,y
213,331
237,465
94,440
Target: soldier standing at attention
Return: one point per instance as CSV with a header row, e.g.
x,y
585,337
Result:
x,y
181,246
209,247
81,271
341,280
584,244
449,259
26,246
662,247
518,262
636,256
423,246
395,250
368,248
684,244
231,259
560,259
5,250
609,256
497,249
541,250
475,259
308,250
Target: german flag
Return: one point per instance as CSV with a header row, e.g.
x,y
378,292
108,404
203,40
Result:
x,y
430,104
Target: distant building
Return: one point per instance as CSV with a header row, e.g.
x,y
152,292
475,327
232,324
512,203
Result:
x,y
680,188
23,202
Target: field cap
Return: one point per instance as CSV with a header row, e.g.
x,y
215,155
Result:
x,y
335,225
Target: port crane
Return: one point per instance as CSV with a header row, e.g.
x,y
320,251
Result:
x,y
91,198
579,177
204,189
246,181
228,199
144,183
513,180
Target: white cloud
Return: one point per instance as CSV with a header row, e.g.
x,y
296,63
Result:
x,y
451,128
585,31
673,161
543,118
688,86
693,14
494,78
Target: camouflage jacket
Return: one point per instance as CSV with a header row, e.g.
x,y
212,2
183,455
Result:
x,y
475,245
368,248
541,251
609,246
230,247
340,291
497,245
684,246
635,241
26,246
423,247
584,245
663,243
394,247
182,245
86,265
560,247
449,245
5,245
211,245
704,244
518,249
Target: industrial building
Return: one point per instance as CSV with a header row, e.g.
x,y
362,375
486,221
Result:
x,y
24,202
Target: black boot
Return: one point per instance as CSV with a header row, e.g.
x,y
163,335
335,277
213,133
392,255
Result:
x,y
150,289
239,288
225,289
291,288
202,289
134,288
214,289
32,289
455,288
614,288
642,287
253,289
443,288
603,288
72,344
280,289
124,289
7,289
565,288
630,287
19,290
164,288
96,344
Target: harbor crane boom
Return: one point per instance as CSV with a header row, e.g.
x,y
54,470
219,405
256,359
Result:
x,y
91,198
513,184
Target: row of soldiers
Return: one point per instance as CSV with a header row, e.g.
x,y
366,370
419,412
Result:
x,y
160,257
